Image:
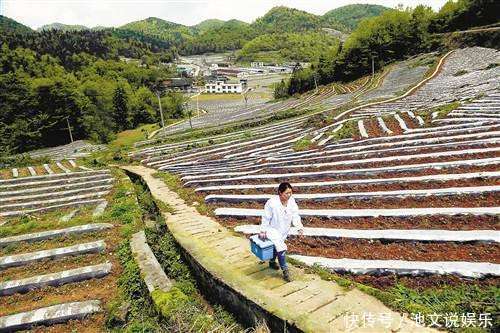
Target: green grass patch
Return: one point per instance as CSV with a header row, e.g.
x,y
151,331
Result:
x,y
129,137
461,72
443,110
219,97
304,144
348,130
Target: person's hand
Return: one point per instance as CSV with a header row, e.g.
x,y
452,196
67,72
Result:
x,y
262,235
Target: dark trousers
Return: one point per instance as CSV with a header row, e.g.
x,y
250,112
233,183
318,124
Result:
x,y
281,259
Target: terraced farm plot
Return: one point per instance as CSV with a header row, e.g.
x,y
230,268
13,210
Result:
x,y
58,257
409,197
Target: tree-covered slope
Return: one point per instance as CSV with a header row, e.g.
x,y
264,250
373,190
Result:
x,y
8,25
62,27
350,15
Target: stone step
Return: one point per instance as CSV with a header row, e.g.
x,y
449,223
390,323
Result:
x,y
43,203
49,315
54,279
74,203
381,212
403,267
27,258
58,176
434,235
38,236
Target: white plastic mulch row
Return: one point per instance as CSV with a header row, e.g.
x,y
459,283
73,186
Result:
x,y
360,146
369,152
370,181
362,129
222,150
383,126
408,167
401,122
293,165
403,267
428,235
394,158
360,195
382,212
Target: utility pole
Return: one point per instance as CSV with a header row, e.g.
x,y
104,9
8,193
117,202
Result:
x,y
198,104
373,68
161,111
69,129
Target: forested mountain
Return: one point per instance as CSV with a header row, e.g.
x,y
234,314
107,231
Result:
x,y
208,24
62,27
349,16
230,35
284,19
8,25
305,46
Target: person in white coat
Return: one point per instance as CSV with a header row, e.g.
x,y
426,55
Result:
x,y
280,214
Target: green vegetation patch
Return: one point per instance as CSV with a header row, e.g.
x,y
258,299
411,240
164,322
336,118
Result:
x,y
439,301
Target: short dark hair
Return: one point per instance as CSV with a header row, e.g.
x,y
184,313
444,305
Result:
x,y
284,186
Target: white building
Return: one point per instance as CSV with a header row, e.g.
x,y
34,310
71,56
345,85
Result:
x,y
220,87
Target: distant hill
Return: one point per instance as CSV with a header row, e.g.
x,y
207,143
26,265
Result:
x,y
9,25
283,19
230,35
156,28
350,15
62,27
208,24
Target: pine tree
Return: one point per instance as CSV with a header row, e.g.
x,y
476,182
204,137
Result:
x,y
120,109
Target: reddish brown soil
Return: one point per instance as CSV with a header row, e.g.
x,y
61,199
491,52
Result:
x,y
485,200
372,128
404,250
410,122
420,282
393,125
462,222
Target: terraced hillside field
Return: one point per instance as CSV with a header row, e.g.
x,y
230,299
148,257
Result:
x,y
406,194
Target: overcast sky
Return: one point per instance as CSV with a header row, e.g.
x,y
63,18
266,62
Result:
x,y
35,13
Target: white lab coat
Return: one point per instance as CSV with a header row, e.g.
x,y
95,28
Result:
x,y
277,221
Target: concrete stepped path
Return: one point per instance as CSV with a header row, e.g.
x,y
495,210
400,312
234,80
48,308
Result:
x,y
308,304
